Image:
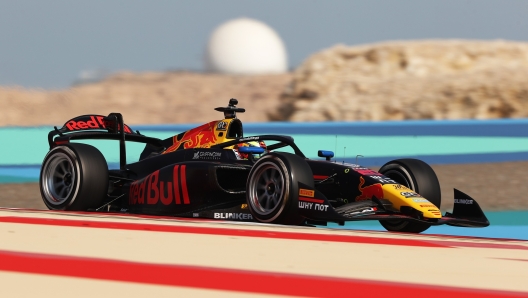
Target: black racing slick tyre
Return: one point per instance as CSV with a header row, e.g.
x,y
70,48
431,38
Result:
x,y
74,177
272,189
418,176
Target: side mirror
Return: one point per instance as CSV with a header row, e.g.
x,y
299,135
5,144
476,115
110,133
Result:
x,y
325,153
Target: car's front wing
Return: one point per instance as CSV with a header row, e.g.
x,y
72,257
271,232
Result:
x,y
466,212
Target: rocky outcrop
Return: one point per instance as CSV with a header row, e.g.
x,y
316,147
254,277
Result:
x,y
438,79
435,79
146,98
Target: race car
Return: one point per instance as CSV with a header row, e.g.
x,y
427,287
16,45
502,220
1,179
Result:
x,y
214,171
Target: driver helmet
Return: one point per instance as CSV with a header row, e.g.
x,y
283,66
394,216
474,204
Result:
x,y
248,144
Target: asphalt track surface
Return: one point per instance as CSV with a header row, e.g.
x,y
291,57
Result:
x,y
66,254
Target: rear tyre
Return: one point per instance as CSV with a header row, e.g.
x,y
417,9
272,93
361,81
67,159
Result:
x,y
272,190
74,177
418,176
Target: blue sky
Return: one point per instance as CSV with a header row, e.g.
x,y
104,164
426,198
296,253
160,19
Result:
x,y
46,44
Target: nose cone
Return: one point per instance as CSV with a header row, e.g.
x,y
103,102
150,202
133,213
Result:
x,y
400,195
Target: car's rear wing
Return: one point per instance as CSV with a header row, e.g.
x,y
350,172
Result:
x,y
111,127
94,122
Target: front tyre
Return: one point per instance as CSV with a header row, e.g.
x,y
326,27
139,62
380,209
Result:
x,y
74,177
421,178
272,190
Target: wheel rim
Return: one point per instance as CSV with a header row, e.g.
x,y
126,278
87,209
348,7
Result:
x,y
267,188
58,179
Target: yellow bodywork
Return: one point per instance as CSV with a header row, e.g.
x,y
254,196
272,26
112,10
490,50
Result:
x,y
221,135
400,195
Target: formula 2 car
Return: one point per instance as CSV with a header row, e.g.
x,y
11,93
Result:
x,y
212,171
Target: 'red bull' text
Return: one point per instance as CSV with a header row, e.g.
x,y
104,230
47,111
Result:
x,y
151,190
94,122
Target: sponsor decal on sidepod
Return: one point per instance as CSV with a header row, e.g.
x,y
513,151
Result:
x,y
207,155
151,190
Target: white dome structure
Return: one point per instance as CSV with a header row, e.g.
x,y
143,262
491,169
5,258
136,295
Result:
x,y
245,46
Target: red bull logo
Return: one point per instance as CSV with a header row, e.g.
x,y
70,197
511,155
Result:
x,y
200,137
368,192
